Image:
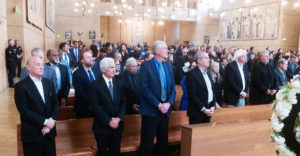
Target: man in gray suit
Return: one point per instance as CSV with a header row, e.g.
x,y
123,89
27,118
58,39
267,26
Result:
x,y
49,73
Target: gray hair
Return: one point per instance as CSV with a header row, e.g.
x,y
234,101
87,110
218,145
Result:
x,y
281,61
239,53
261,53
129,61
36,50
199,55
104,62
157,45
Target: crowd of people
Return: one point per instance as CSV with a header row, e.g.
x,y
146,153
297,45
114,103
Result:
x,y
114,79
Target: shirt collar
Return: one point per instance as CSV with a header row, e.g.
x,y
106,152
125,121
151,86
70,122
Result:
x,y
86,69
203,71
34,79
106,79
52,65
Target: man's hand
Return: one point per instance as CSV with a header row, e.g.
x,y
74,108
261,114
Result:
x,y
268,92
50,123
167,105
243,95
208,112
63,102
112,124
136,107
273,92
45,130
164,107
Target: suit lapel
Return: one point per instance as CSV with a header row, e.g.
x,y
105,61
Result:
x,y
167,75
106,88
155,70
35,90
115,90
238,71
201,78
46,91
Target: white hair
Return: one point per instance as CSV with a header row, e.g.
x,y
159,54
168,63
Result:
x,y
36,50
129,61
157,45
105,61
239,53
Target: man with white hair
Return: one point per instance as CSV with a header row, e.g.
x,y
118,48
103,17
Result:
x,y
108,106
129,80
263,82
156,97
236,80
49,73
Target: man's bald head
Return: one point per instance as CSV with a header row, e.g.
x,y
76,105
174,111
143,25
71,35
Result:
x,y
35,66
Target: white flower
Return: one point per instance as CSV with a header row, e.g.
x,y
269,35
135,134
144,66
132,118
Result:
x,y
277,126
280,95
295,83
283,109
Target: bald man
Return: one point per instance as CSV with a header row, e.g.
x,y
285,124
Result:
x,y
38,106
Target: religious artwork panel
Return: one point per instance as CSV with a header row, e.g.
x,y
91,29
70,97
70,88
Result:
x,y
35,12
230,25
92,34
68,34
245,24
257,28
272,21
50,14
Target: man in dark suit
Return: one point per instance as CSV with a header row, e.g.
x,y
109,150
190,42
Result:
x,y
156,97
37,104
236,80
63,83
223,64
67,57
263,81
179,62
11,62
74,53
130,81
280,72
292,66
82,77
201,98
106,100
19,57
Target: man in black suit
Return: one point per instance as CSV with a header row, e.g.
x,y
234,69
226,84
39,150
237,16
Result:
x,y
106,100
292,66
11,62
19,57
263,81
201,98
280,72
74,53
82,77
236,80
157,86
67,57
63,83
129,80
37,104
223,64
179,64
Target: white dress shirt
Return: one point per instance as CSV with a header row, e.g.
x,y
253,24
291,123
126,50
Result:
x,y
39,86
107,81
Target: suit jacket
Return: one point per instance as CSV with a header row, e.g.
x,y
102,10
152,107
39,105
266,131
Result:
x,y
72,54
150,87
65,81
104,107
280,78
290,71
49,73
72,60
222,71
198,93
33,111
262,79
178,71
131,93
80,83
233,83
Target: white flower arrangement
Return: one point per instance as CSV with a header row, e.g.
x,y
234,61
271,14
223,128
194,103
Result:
x,y
285,99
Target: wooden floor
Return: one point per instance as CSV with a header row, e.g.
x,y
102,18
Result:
x,y
9,118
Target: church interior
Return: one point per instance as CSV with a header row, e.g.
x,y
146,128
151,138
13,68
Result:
x,y
272,25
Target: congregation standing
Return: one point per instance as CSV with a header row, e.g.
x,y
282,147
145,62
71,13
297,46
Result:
x,y
114,79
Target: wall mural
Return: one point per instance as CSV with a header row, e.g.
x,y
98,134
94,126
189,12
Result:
x,y
257,22
50,14
35,12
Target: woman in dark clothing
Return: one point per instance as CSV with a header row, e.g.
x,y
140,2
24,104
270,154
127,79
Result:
x,y
218,83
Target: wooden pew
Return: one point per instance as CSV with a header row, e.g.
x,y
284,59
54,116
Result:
x,y
73,133
233,139
66,113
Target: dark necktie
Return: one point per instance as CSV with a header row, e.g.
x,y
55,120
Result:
x,y
91,76
110,88
162,76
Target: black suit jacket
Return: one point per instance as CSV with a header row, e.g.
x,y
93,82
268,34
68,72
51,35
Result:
x,y
81,82
198,93
222,71
105,107
279,77
72,60
131,93
262,79
233,83
72,54
65,81
33,111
